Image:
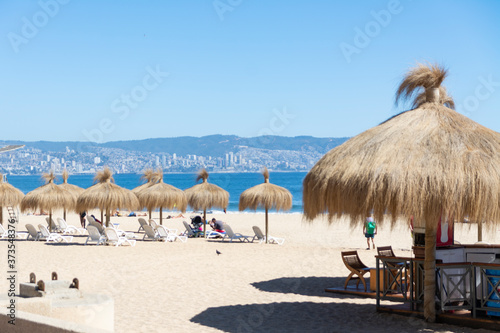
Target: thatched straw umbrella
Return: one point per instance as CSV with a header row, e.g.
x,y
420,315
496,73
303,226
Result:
x,y
9,196
48,198
151,178
161,195
266,195
106,196
71,189
205,196
427,162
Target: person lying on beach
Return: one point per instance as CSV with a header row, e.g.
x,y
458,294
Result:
x,y
175,217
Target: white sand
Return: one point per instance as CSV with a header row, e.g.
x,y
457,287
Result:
x,y
186,287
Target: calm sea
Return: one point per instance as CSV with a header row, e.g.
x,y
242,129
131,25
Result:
x,y
234,183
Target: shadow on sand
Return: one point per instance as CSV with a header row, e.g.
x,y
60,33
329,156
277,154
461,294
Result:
x,y
307,286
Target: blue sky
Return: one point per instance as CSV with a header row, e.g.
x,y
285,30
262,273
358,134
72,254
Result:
x,y
121,70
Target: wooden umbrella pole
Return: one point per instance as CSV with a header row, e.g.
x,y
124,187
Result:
x,y
430,273
102,217
1,215
204,222
149,211
479,231
161,215
108,217
64,214
267,236
50,220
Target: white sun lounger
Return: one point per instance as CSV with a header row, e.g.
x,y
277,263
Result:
x,y
52,237
67,229
113,238
94,236
259,235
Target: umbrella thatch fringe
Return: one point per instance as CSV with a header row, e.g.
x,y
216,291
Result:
x,y
205,195
162,195
9,195
266,195
106,195
428,162
48,197
421,76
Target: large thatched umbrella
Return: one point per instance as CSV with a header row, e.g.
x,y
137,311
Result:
x,y
205,196
48,197
266,195
162,195
151,178
9,196
106,196
71,189
429,162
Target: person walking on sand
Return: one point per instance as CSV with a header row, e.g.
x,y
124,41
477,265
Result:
x,y
370,230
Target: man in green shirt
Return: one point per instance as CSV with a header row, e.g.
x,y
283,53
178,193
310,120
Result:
x,y
370,230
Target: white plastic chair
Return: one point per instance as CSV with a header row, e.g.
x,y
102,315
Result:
x,y
66,229
259,235
150,233
55,225
32,232
52,237
113,238
5,234
121,233
142,222
94,236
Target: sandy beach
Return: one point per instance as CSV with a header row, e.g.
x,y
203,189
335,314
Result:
x,y
187,287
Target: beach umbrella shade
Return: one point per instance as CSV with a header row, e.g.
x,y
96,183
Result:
x,y
267,196
71,189
106,196
161,195
9,196
429,162
205,196
48,197
151,178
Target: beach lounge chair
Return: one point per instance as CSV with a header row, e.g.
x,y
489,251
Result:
x,y
142,222
55,225
259,235
32,232
155,226
5,234
113,238
121,233
98,226
67,229
150,233
190,232
231,235
170,236
355,266
52,237
94,236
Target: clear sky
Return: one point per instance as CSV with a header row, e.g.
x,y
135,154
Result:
x,y
122,70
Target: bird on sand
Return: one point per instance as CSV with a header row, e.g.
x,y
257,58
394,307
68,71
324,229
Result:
x,y
217,251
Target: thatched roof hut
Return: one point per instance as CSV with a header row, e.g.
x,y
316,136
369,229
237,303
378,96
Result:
x,y
205,196
71,189
426,162
48,197
106,196
267,196
9,196
162,195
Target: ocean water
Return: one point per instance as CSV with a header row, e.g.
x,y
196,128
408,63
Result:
x,y
234,183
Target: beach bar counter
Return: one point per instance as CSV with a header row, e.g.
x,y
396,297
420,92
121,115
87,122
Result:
x,y
467,276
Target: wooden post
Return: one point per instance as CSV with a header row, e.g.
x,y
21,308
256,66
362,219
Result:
x,y
161,215
267,229
479,231
204,222
430,272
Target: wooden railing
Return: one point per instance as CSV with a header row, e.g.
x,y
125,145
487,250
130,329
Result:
x,y
459,286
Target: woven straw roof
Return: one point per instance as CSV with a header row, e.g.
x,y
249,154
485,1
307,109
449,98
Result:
x,y
205,195
266,195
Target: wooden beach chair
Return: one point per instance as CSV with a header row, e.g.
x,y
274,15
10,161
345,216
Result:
x,y
355,266
397,275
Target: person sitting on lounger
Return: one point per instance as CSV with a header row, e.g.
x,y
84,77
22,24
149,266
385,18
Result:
x,y
217,226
